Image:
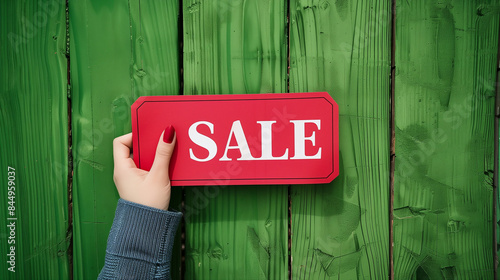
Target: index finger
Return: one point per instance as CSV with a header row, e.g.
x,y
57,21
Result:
x,y
121,151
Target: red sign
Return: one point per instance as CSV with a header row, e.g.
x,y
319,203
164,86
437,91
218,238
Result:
x,y
242,139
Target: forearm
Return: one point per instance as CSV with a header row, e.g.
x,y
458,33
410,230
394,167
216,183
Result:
x,y
140,242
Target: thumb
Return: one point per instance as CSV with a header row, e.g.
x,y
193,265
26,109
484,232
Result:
x,y
164,150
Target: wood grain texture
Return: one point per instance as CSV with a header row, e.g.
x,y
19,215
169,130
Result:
x,y
236,232
341,230
446,54
33,138
445,74
156,71
496,171
119,51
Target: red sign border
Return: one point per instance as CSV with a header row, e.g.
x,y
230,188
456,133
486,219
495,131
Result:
x,y
241,97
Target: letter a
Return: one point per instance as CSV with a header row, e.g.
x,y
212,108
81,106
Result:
x,y
241,142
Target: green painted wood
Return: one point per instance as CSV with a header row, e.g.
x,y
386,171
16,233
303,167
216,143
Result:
x,y
496,171
33,138
235,232
497,158
341,230
446,55
156,68
119,51
445,67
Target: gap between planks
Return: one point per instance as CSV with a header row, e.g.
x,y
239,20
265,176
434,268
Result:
x,y
69,231
289,188
393,141
496,161
180,38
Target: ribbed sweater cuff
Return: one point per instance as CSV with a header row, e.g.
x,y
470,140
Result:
x,y
143,233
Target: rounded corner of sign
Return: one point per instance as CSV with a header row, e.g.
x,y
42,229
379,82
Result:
x,y
138,103
332,177
330,100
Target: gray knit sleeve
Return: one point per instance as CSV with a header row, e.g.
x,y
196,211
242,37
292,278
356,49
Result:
x,y
140,242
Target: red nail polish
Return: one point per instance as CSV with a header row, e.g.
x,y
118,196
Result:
x,y
168,134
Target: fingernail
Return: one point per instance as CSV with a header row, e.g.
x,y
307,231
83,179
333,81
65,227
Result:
x,y
168,134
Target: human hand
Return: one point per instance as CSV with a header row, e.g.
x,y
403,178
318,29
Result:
x,y
136,185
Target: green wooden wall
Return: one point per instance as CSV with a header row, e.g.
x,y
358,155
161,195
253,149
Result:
x,y
341,230
34,139
413,78
235,47
444,99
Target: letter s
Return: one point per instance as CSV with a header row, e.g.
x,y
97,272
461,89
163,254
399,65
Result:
x,y
202,141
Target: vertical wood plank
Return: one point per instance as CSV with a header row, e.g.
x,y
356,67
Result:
x,y
496,171
446,55
235,232
119,51
156,71
33,138
341,230
100,74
